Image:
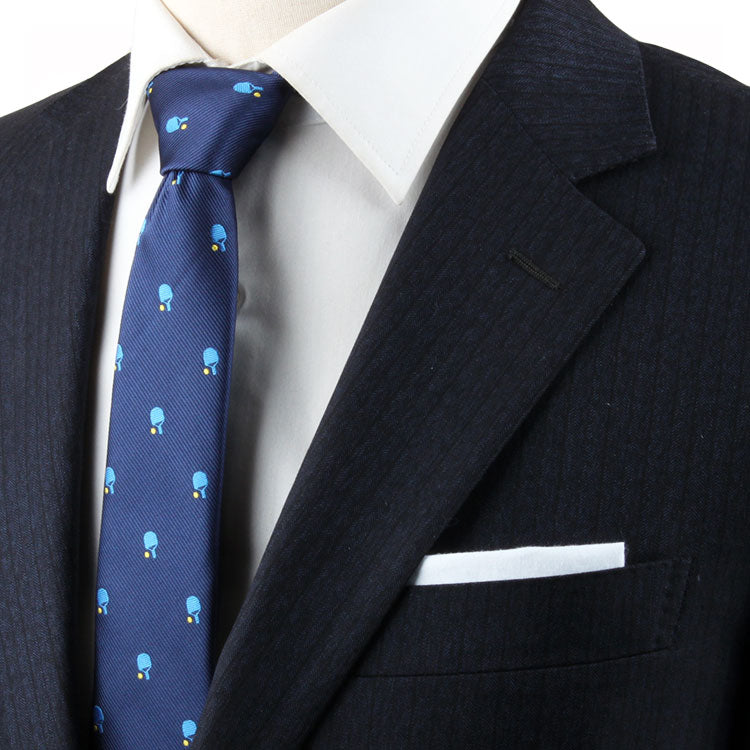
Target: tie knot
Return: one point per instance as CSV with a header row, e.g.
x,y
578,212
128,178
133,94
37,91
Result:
x,y
213,119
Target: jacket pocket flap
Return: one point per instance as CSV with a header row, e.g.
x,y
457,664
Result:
x,y
533,622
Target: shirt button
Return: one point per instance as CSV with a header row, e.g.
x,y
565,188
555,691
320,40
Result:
x,y
240,296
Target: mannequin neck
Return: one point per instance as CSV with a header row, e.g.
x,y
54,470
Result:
x,y
235,30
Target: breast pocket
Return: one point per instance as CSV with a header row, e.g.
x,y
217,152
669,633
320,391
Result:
x,y
535,622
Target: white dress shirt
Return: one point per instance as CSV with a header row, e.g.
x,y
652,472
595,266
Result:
x,y
321,207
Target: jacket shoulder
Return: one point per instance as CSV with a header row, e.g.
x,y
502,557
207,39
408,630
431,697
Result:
x,y
24,121
700,112
20,118
660,63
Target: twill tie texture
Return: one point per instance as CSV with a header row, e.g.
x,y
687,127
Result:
x,y
156,587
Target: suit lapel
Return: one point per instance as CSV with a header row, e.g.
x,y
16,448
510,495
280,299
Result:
x,y
55,213
500,273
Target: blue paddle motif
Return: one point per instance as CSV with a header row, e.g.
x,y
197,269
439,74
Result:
x,y
118,358
157,420
98,720
165,297
144,665
200,482
189,728
218,238
102,600
245,87
193,605
109,481
220,173
176,123
210,360
150,542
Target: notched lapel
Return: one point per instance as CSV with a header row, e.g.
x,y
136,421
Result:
x,y
459,344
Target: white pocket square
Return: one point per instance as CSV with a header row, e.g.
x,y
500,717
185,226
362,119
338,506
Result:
x,y
518,562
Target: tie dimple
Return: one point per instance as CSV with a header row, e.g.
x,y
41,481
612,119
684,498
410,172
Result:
x,y
156,592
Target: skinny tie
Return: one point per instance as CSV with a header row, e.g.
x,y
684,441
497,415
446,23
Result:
x,y
159,536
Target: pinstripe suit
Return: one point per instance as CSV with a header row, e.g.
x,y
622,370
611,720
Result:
x,y
558,354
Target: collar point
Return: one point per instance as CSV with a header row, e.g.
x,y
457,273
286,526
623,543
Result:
x,y
397,186
112,180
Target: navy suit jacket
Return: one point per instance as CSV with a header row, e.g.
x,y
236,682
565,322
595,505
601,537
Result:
x,y
558,354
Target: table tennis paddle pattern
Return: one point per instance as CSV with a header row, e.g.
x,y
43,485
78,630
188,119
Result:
x,y
158,546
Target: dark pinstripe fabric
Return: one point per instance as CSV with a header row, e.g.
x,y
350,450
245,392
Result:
x,y
484,405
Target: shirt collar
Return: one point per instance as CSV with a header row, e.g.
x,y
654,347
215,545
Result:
x,y
384,74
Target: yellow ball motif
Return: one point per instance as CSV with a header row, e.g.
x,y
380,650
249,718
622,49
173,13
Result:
x,y
257,94
195,495
99,610
185,742
205,371
153,430
189,619
147,554
96,727
162,308
174,182
214,247
140,675
183,126
106,490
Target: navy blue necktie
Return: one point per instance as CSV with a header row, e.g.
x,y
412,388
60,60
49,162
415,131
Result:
x,y
158,549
